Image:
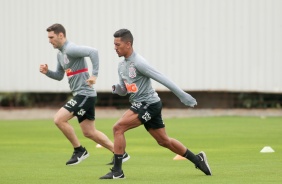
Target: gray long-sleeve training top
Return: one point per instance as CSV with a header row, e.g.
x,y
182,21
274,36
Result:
x,y
71,60
135,76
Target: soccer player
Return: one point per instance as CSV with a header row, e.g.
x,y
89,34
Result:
x,y
71,61
135,76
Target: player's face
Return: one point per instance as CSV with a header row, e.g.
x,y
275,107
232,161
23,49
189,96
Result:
x,y
55,39
122,48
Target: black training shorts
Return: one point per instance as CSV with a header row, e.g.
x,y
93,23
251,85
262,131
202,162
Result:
x,y
149,114
83,107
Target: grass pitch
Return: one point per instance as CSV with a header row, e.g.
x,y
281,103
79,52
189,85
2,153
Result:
x,y
35,152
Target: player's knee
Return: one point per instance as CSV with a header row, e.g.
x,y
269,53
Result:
x,y
88,134
118,129
56,121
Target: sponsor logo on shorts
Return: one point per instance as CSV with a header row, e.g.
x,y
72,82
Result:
x,y
136,104
146,116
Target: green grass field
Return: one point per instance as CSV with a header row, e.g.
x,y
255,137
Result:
x,y
35,152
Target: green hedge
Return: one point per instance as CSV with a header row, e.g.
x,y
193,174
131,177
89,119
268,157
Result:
x,y
106,99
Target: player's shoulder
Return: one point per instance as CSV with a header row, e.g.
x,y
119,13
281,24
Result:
x,y
139,60
70,45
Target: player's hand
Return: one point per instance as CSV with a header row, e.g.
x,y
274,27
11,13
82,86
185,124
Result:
x,y
91,80
188,100
43,68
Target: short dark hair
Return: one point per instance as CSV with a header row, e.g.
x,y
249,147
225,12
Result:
x,y
125,35
57,28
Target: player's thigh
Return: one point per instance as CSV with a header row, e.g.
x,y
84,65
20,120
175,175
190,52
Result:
x,y
63,115
128,121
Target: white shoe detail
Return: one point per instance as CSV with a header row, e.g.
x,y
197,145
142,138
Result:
x,y
117,177
201,158
126,158
83,157
205,160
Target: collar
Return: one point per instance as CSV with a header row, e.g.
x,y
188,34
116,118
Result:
x,y
64,46
131,56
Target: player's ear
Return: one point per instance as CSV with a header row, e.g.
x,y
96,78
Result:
x,y
128,44
61,35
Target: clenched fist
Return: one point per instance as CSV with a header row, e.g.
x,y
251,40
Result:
x,y
43,68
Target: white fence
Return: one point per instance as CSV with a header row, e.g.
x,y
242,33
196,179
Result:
x,y
202,45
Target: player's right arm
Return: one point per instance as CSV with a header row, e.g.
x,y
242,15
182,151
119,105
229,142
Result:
x,y
119,88
57,75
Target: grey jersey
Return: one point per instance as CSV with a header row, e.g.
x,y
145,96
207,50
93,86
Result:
x,y
72,62
135,76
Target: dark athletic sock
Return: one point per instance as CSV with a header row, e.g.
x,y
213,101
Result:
x,y
191,156
117,162
80,149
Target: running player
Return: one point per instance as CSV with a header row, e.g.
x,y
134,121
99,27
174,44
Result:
x,y
71,62
135,76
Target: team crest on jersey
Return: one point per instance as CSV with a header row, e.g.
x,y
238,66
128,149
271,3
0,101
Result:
x,y
66,59
132,72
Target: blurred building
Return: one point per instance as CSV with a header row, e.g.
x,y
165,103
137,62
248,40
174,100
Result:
x,y
225,53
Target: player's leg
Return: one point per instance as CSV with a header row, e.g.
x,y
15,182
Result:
x,y
163,140
89,131
61,120
128,121
81,107
174,145
86,117
177,147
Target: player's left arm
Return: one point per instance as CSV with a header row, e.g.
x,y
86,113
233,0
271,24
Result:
x,y
154,74
92,53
